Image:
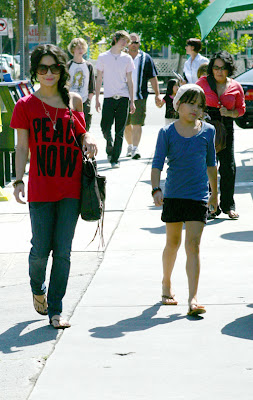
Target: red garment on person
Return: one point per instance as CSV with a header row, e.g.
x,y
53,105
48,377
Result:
x,y
56,161
232,98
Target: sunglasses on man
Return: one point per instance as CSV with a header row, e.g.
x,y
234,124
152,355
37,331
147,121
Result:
x,y
135,42
54,68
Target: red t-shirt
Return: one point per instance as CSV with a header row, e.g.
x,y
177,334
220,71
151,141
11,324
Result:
x,y
232,98
56,161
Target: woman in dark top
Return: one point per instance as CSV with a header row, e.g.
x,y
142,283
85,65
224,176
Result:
x,y
225,102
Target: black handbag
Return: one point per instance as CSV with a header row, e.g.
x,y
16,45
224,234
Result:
x,y
92,199
93,192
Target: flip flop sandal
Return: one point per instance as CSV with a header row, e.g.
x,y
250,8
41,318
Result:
x,y
195,310
169,300
58,322
232,216
37,305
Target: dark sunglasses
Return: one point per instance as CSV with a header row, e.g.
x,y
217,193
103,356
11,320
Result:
x,y
216,68
54,68
135,42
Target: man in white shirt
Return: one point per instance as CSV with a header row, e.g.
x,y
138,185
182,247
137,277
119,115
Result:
x,y
144,71
114,68
191,66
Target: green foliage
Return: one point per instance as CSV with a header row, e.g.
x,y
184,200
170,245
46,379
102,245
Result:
x,y
82,9
8,9
160,22
219,38
68,28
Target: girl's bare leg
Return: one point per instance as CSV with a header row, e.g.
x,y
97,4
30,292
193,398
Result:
x,y
194,231
173,241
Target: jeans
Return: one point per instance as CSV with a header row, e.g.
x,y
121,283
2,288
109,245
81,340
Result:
x,y
118,110
53,228
227,171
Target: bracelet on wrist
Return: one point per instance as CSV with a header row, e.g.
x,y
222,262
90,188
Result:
x,y
156,189
18,182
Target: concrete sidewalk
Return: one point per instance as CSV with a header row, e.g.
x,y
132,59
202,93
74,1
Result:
x,y
123,345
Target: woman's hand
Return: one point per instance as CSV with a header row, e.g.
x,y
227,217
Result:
x,y
224,112
19,189
158,198
89,146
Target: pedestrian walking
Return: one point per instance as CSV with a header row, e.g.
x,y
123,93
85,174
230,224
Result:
x,y
188,144
191,66
82,79
114,68
170,113
145,71
225,101
47,123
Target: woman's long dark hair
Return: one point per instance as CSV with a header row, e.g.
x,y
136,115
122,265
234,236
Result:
x,y
60,58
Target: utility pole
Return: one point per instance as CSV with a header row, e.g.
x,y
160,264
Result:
x,y
22,39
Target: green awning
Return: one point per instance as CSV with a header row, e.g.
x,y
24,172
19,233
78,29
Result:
x,y
212,14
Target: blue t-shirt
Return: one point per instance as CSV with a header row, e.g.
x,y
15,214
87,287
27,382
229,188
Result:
x,y
188,159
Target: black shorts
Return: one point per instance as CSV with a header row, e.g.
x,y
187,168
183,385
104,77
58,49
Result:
x,y
181,210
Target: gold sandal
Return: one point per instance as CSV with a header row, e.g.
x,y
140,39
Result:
x,y
195,310
40,307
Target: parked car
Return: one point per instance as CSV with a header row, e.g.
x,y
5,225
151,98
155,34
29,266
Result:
x,y
246,80
13,64
4,68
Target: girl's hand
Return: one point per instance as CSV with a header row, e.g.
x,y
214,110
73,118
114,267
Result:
x,y
213,201
89,146
158,198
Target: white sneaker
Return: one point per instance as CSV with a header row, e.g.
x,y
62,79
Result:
x,y
136,154
115,165
129,150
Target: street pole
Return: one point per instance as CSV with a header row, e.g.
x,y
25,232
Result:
x,y
1,62
22,39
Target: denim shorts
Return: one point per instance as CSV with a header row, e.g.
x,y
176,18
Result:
x,y
181,210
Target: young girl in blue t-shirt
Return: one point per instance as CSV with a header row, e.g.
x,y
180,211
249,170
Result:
x,y
188,144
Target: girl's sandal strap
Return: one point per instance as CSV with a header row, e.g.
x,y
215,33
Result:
x,y
169,300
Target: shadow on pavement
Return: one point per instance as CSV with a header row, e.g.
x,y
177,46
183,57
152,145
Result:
x,y
140,323
244,236
12,338
241,328
156,230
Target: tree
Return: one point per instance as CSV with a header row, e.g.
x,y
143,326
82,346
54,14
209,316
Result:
x,y
160,22
219,37
69,28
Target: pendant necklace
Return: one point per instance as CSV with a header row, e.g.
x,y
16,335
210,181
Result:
x,y
115,56
48,115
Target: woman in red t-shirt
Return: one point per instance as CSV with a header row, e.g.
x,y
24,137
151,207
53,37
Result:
x,y
44,123
225,101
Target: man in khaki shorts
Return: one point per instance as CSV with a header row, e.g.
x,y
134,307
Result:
x,y
145,71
